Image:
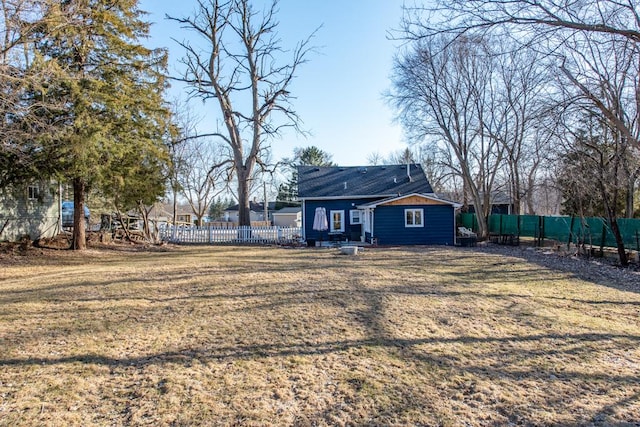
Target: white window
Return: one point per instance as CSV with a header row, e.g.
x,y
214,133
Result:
x,y
337,221
34,192
355,216
414,217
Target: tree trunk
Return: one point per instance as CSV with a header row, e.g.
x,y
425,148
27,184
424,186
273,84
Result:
x,y
79,237
244,211
610,207
483,229
622,253
479,207
630,196
465,199
145,222
516,192
174,221
531,210
175,206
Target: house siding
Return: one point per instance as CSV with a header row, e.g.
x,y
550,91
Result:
x,y
389,226
350,230
234,216
20,216
287,219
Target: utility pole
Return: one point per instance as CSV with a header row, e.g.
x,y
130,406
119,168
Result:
x,y
266,206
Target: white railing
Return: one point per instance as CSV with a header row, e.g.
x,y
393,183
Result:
x,y
240,235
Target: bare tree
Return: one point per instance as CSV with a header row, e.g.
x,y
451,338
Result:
x,y
518,119
593,44
601,76
198,182
549,25
401,157
242,66
435,160
529,18
601,150
442,91
22,115
429,156
374,158
189,169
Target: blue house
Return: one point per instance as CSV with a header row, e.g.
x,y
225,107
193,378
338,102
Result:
x,y
387,205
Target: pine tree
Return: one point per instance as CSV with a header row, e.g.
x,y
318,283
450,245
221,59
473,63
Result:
x,y
307,156
112,117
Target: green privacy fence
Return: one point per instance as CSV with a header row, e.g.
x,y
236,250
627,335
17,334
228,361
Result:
x,y
591,231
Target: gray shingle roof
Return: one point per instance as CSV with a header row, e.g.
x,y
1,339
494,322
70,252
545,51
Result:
x,y
289,210
360,181
253,206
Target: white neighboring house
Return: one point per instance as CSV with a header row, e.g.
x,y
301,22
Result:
x,y
32,210
288,217
256,211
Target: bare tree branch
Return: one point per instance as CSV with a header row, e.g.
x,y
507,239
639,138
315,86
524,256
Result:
x,y
243,67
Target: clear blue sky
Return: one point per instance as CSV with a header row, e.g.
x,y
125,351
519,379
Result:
x,y
340,90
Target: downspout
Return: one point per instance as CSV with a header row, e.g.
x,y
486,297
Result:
x,y
455,235
304,214
266,204
372,223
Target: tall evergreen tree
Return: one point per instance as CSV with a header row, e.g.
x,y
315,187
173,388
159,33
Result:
x,y
307,156
112,117
217,208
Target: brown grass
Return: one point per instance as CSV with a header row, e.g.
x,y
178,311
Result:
x,y
269,336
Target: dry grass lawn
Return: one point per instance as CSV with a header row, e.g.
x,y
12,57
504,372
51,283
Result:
x,y
271,336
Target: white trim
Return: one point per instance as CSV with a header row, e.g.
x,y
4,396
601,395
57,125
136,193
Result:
x,y
33,192
429,196
373,219
414,211
365,196
331,223
304,211
367,224
455,237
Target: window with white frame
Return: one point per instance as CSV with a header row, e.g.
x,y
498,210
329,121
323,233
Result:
x,y
337,221
414,217
355,216
33,192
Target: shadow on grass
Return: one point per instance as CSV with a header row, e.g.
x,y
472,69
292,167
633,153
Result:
x,y
366,305
404,400
307,349
589,270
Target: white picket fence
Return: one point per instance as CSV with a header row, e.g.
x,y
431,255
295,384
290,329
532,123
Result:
x,y
238,235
